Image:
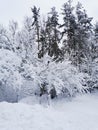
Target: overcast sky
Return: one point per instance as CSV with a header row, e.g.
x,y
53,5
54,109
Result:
x,y
17,9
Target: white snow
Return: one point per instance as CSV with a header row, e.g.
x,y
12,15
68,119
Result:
x,y
81,113
9,65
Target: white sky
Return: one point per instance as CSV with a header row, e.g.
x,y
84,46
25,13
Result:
x,y
17,9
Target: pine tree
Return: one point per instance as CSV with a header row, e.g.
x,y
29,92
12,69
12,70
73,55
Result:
x,y
83,35
50,36
54,47
69,27
96,39
53,35
35,23
43,41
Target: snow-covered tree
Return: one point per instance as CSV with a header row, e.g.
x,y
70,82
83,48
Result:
x,y
55,33
27,47
29,55
54,79
13,28
50,36
4,38
10,78
95,45
69,26
35,23
84,33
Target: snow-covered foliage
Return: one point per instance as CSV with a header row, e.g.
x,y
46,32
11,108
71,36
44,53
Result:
x,y
49,75
4,39
94,74
42,59
9,69
26,46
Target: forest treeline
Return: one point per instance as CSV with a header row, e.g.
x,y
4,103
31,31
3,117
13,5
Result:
x,y
49,57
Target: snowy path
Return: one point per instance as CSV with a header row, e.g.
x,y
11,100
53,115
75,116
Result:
x,y
79,114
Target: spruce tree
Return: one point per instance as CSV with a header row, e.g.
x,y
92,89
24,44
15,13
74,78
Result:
x,y
52,29
55,32
95,42
83,35
50,36
43,42
35,23
69,26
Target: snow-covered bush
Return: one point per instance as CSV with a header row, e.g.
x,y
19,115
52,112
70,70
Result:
x,y
48,75
10,77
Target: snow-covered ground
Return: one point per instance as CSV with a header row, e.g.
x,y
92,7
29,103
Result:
x,y
81,113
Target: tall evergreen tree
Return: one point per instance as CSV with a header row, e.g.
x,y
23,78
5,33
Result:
x,y
95,42
43,41
69,27
54,47
83,35
35,23
50,36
